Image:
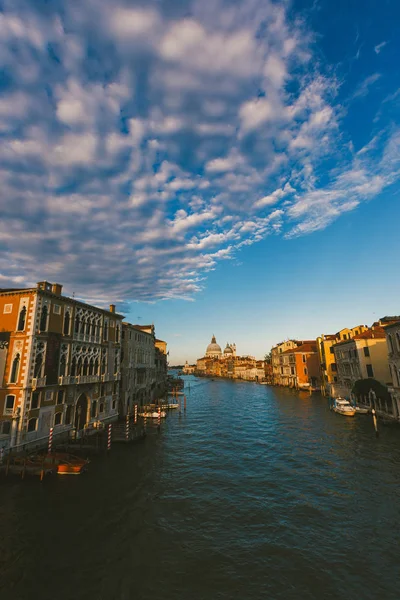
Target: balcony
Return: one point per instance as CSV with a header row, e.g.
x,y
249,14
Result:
x,y
38,382
88,378
111,377
86,337
67,380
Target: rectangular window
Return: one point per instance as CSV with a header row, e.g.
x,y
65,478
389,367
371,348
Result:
x,y
370,371
305,370
334,367
60,396
335,379
57,309
7,309
332,350
366,351
49,396
35,400
9,405
304,358
292,370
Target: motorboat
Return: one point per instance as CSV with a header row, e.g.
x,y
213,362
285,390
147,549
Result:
x,y
263,383
67,464
170,405
343,407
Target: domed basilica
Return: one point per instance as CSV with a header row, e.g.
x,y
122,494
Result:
x,y
214,350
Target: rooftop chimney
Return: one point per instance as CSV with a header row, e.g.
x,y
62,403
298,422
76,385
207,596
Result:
x,y
56,288
112,308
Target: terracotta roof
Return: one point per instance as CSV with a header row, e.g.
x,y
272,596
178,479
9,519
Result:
x,y
375,332
305,347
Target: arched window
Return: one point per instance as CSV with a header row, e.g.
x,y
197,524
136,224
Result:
x,y
398,340
43,318
73,367
96,366
79,366
77,324
63,365
57,418
68,415
103,364
101,407
21,319
67,322
15,369
93,414
85,366
116,364
397,377
105,332
93,328
390,343
37,371
35,400
117,334
83,326
32,424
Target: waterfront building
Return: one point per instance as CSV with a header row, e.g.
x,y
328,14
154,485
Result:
x,y
328,367
144,369
363,356
280,363
392,334
216,363
188,369
59,364
300,367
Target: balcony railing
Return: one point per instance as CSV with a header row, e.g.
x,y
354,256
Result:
x,y
111,377
86,337
38,382
88,378
67,380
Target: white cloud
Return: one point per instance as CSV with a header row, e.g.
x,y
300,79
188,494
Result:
x,y
379,47
254,113
273,198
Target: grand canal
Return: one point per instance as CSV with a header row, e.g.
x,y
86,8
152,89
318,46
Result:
x,y
254,493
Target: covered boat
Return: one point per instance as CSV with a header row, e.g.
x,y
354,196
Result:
x,y
343,407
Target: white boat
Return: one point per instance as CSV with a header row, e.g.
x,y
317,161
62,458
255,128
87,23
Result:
x,y
361,410
263,383
153,414
343,407
170,405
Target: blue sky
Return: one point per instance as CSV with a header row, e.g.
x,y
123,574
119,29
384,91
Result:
x,y
220,167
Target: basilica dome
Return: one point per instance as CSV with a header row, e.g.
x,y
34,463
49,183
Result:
x,y
213,349
228,349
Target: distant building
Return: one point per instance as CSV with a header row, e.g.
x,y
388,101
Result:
x,y
280,361
227,364
188,369
59,364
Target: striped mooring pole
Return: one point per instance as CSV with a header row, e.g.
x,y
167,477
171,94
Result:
x,y
159,418
184,402
127,427
109,437
50,440
145,423
135,414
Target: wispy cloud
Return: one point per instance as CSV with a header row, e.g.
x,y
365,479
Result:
x,y
380,47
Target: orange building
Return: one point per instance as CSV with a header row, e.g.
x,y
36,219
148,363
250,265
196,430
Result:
x,y
301,368
59,364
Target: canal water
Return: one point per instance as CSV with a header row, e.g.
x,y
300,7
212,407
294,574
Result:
x,y
254,493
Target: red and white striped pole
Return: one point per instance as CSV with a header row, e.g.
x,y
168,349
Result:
x,y
159,418
184,405
50,440
109,437
135,414
127,426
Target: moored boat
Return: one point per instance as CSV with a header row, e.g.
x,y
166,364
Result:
x,y
67,464
343,407
153,414
361,410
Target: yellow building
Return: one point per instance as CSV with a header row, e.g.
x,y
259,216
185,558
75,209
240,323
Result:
x,y
326,355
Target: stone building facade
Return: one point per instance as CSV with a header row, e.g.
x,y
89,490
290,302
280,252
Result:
x,y
59,364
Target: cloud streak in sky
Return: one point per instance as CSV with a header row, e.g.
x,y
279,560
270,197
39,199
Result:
x,y
142,146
